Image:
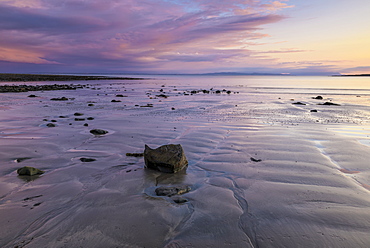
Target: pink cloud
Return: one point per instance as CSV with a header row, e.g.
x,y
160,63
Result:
x,y
131,35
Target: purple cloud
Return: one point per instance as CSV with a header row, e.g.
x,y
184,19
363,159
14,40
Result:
x,y
130,35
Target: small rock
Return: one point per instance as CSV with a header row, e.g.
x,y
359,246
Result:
x,y
116,100
32,96
50,125
90,105
86,124
98,131
59,99
318,98
134,154
162,95
330,103
179,200
171,191
78,114
29,171
255,160
298,103
90,118
79,119
167,158
313,110
86,160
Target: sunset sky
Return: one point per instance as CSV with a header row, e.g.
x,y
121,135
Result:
x,y
315,37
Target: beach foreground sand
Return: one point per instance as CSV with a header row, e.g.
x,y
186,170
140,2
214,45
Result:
x,y
263,172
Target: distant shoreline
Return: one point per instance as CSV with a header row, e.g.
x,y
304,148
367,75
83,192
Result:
x,y
12,77
352,75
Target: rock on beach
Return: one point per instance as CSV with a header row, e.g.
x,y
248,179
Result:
x,y
167,158
29,171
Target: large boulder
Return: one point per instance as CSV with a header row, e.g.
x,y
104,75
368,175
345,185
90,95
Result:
x,y
168,158
29,171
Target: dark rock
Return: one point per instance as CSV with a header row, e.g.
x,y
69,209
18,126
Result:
x,y
330,103
86,124
228,92
179,200
98,131
53,120
90,118
90,105
50,125
29,171
78,114
62,116
205,91
162,95
134,154
255,160
318,98
32,96
313,110
167,158
218,92
116,100
86,160
149,105
298,103
120,95
171,191
19,160
59,99
79,119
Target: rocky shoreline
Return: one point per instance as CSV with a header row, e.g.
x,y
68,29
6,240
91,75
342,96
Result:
x,y
10,77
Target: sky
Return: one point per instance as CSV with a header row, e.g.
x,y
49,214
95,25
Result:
x,y
299,37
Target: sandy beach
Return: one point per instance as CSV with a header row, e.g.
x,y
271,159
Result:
x,y
268,166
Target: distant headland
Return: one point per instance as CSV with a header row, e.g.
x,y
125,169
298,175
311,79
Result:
x,y
11,77
352,75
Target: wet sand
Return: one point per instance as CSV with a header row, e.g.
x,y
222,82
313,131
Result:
x,y
263,172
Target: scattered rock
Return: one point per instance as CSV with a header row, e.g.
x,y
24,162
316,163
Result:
x,y
86,160
134,154
162,95
179,200
59,99
19,160
79,119
86,124
318,98
120,95
171,191
29,171
50,125
255,160
167,158
78,114
330,103
98,131
149,105
116,100
90,118
298,103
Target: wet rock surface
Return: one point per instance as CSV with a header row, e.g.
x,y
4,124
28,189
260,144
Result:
x,y
167,158
98,131
171,191
29,171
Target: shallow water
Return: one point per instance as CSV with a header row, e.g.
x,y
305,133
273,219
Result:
x,y
310,189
